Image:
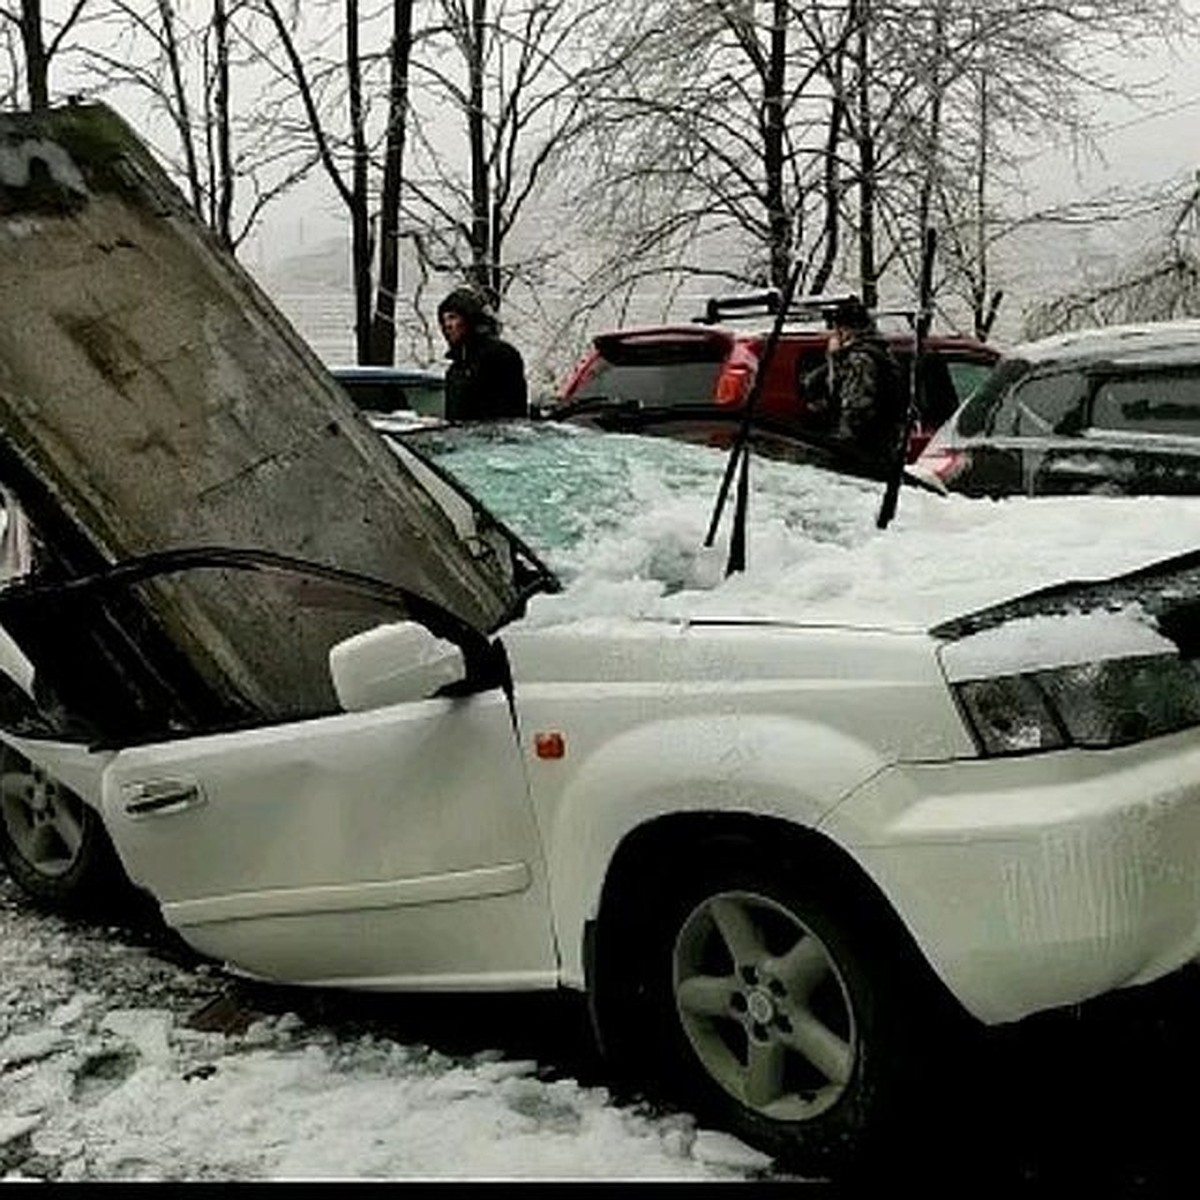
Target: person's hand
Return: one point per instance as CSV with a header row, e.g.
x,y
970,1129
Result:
x,y
835,340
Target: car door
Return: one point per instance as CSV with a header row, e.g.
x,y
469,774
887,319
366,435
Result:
x,y
393,847
379,836
1037,419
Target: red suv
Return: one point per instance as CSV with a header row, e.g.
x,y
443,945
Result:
x,y
691,381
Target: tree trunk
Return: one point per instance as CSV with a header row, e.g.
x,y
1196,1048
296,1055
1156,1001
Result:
x,y
179,111
223,210
933,135
831,171
37,60
868,271
360,214
779,224
481,224
383,321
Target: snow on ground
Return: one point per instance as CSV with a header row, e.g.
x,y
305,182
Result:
x,y
103,1076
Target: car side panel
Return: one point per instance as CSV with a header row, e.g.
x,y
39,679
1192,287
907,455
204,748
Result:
x,y
763,765
740,720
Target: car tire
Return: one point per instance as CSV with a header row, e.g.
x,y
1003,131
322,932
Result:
x,y
768,1000
54,845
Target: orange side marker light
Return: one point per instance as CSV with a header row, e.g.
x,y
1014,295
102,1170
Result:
x,y
549,745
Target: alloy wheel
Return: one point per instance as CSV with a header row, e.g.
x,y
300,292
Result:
x,y
44,821
764,1006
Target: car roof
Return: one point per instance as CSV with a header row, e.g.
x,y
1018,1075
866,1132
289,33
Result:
x,y
817,331
1169,339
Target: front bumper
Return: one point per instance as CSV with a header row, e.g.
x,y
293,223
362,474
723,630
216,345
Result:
x,y
1031,883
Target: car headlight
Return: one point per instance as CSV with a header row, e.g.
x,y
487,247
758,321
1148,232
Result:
x,y
1094,705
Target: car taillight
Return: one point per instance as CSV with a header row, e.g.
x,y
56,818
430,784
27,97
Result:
x,y
918,439
944,462
733,383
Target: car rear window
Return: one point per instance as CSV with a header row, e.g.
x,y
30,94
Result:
x,y
655,371
1155,402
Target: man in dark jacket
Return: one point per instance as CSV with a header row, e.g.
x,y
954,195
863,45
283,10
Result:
x,y
486,377
857,394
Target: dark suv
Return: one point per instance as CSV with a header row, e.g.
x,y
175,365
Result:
x,y
1112,410
691,381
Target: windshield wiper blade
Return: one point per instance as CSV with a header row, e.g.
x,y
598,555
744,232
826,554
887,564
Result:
x,y
605,404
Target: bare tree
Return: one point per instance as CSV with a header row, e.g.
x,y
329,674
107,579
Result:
x,y
728,121
520,78
232,158
896,114
332,90
41,40
1011,74
1160,284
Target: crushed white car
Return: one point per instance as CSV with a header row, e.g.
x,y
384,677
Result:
x,y
772,852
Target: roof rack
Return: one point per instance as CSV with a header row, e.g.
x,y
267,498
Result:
x,y
718,309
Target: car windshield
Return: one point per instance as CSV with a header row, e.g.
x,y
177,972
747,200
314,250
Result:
x,y
563,488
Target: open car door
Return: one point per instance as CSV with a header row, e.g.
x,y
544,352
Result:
x,y
374,831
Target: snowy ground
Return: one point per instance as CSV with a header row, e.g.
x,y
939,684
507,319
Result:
x,y
111,1069
124,1058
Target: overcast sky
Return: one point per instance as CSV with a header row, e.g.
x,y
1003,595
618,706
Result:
x,y
1148,141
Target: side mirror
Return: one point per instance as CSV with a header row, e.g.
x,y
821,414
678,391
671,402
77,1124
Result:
x,y
392,664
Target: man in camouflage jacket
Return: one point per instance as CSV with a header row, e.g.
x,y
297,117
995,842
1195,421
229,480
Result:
x,y
857,394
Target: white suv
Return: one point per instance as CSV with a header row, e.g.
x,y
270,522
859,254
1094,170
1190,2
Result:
x,y
777,853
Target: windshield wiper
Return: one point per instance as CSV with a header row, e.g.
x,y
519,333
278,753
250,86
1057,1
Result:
x,y
605,404
739,454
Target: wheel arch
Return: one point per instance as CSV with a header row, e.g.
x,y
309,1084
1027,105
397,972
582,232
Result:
x,y
647,856
793,769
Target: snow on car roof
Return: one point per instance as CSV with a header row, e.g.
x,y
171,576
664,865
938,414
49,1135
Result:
x,y
1110,341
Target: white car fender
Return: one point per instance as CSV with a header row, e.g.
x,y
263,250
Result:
x,y
790,768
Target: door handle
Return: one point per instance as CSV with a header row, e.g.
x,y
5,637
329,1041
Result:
x,y
161,797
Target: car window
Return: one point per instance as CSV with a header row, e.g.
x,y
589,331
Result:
x,y
428,399
1041,405
1151,402
390,395
966,375
980,407
674,381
